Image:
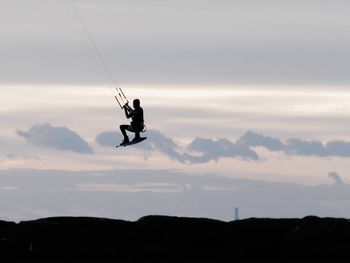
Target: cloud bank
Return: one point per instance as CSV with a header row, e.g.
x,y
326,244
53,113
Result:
x,y
203,150
200,150
214,149
298,147
336,178
155,141
252,139
59,138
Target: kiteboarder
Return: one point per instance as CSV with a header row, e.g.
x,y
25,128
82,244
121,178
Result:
x,y
137,124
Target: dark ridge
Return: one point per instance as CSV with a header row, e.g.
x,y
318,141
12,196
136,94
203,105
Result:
x,y
176,239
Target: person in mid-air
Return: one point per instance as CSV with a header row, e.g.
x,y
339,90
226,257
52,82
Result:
x,y
137,124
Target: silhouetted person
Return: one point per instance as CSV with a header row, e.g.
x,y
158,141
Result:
x,y
137,124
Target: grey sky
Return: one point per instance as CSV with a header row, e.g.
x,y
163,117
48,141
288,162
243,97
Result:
x,y
167,42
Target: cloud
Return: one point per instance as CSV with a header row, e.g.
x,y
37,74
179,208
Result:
x,y
334,176
207,148
165,145
155,141
59,138
318,148
203,150
214,149
295,146
307,148
252,139
338,148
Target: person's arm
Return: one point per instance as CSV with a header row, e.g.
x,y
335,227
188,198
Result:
x,y
127,106
128,111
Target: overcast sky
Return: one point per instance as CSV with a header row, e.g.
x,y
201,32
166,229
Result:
x,y
252,90
167,42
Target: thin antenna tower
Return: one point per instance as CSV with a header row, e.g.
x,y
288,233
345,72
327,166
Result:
x,y
236,213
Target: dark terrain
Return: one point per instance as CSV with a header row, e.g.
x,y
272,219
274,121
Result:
x,y
176,239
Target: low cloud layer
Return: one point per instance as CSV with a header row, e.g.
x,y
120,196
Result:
x,y
214,149
200,150
297,146
166,145
155,141
336,178
59,138
203,150
252,139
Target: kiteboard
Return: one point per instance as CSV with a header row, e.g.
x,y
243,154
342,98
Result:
x,y
131,142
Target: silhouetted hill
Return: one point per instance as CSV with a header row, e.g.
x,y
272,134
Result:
x,y
176,239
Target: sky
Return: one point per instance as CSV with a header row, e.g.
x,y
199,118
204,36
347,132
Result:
x,y
246,105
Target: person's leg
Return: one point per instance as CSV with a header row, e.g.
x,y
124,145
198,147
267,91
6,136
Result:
x,y
123,129
136,130
137,135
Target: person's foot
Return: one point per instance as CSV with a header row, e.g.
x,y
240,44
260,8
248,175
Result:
x,y
137,138
126,140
